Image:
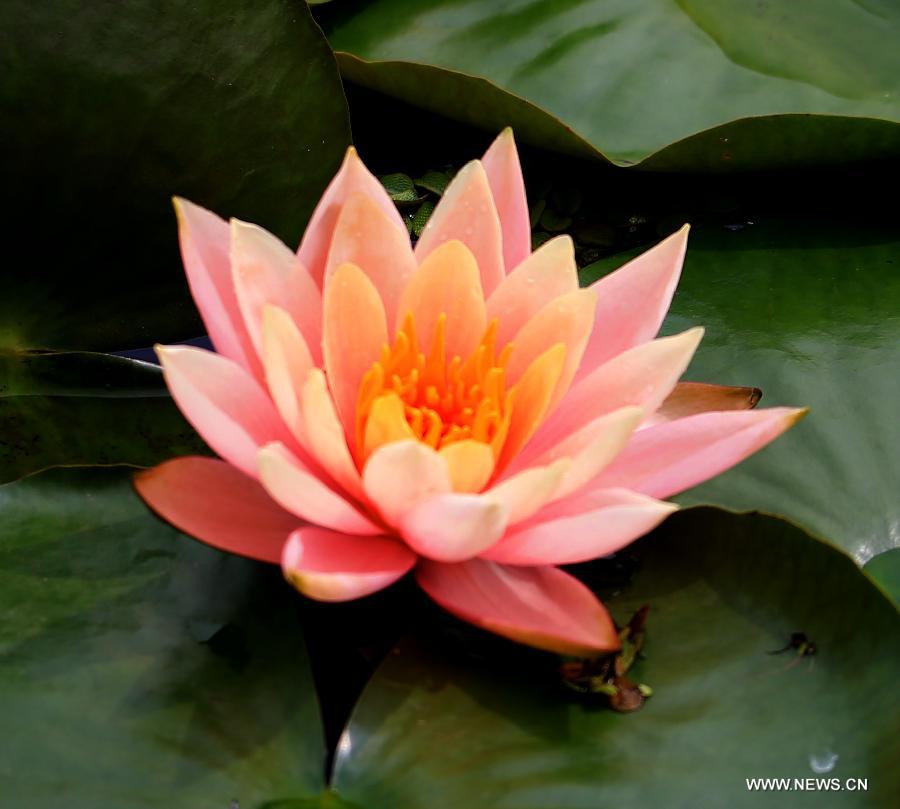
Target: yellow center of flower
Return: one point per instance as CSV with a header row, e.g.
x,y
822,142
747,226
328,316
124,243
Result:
x,y
408,394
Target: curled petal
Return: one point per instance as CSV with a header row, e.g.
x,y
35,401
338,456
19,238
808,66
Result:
x,y
467,213
205,244
215,503
223,403
668,458
688,398
504,175
609,519
329,566
400,475
547,274
352,178
633,300
538,606
452,527
298,490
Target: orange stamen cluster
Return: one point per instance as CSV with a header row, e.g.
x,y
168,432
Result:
x,y
443,402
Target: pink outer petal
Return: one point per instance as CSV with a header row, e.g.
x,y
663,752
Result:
x,y
642,376
548,273
466,212
633,300
214,502
296,488
365,236
453,527
265,272
205,244
329,566
538,606
352,178
504,174
610,519
223,403
671,457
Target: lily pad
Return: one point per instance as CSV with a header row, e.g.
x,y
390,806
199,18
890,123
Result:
x,y
116,106
443,726
806,310
139,668
79,408
687,85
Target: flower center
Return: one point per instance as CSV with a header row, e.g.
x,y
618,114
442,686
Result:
x,y
408,394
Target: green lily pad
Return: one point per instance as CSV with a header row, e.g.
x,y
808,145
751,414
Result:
x,y
687,85
807,311
78,408
450,721
140,668
885,570
114,107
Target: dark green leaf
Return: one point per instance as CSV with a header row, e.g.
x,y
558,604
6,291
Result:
x,y
68,409
434,181
806,311
400,187
423,214
116,105
885,569
440,726
139,668
686,85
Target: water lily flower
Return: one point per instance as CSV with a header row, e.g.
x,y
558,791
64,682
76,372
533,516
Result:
x,y
461,409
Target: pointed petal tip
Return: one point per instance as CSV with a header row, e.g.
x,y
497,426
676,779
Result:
x,y
795,415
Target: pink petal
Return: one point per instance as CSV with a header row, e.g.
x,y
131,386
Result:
x,y
329,566
673,456
642,376
287,361
453,527
609,519
539,606
224,404
352,178
592,448
354,332
548,273
205,244
400,475
688,398
217,504
297,489
567,320
504,174
466,212
446,283
526,493
265,272
366,236
327,441
633,300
